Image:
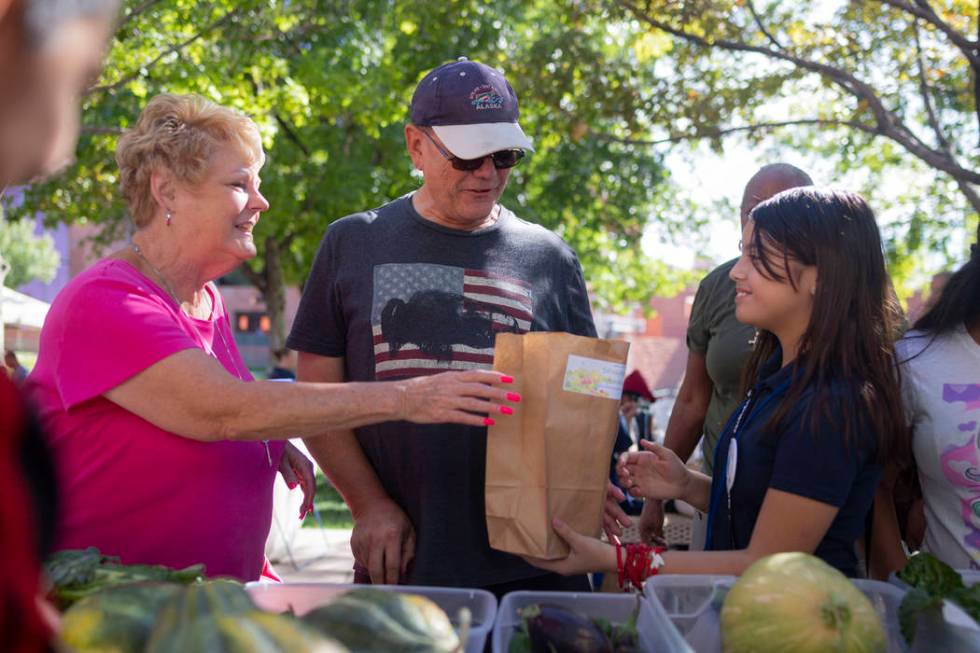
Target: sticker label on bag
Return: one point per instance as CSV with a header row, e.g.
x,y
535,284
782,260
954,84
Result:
x,y
591,376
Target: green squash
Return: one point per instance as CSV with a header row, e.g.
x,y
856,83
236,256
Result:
x,y
117,619
248,632
373,621
416,613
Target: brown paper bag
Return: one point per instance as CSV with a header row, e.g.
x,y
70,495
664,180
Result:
x,y
551,457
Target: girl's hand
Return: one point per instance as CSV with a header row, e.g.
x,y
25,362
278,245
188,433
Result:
x,y
587,554
297,469
656,473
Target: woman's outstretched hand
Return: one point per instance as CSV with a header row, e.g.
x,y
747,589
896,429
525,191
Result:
x,y
474,397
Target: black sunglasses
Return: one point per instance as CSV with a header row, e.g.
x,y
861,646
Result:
x,y
501,159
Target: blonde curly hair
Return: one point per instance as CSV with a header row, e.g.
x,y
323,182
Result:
x,y
178,133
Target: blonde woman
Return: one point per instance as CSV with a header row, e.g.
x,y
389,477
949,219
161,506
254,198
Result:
x,y
165,447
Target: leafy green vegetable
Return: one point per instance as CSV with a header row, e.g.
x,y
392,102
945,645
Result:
x,y
932,581
604,625
75,574
928,572
915,603
520,642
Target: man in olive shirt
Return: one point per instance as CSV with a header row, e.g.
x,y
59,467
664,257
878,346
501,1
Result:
x,y
718,346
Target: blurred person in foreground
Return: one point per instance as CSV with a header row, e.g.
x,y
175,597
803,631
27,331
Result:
x,y
50,52
165,447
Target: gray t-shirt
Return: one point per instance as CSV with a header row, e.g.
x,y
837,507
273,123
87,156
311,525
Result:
x,y
397,296
714,333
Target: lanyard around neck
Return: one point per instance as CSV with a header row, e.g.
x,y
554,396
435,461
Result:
x,y
725,466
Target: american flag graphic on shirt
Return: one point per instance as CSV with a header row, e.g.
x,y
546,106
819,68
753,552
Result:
x,y
430,318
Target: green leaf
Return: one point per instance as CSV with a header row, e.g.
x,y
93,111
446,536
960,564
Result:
x,y
520,642
927,572
916,603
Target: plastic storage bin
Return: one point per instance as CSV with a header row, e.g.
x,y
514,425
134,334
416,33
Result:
x,y
616,608
303,597
692,605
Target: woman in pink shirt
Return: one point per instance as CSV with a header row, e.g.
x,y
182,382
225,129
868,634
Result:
x,y
166,450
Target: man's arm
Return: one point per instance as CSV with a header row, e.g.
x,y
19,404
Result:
x,y
383,539
687,419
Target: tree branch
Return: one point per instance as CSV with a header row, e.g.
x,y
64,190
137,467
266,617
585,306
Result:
x,y
970,49
758,21
716,132
171,50
922,10
291,133
136,12
888,123
926,92
89,130
971,196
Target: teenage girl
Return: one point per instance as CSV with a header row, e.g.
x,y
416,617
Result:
x,y
798,463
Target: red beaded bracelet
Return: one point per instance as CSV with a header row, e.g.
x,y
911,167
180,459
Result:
x,y
642,561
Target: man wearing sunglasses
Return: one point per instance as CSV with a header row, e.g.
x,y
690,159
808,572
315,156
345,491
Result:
x,y
424,284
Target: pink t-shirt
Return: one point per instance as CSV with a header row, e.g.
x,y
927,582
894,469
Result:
x,y
127,487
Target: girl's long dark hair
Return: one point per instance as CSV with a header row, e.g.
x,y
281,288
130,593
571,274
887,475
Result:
x,y
855,318
959,301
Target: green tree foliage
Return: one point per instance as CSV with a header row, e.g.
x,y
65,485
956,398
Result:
x,y
30,256
329,84
884,90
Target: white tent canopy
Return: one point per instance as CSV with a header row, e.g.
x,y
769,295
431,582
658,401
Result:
x,y
23,310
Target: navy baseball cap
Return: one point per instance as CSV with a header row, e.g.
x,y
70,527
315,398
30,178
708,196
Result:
x,y
471,108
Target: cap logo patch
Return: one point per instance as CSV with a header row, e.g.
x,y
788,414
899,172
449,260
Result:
x,y
485,97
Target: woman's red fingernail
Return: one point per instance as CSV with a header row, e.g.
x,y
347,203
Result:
x,y
292,486
506,379
488,422
513,396
506,410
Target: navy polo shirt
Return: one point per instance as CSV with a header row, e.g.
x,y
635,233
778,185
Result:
x,y
802,456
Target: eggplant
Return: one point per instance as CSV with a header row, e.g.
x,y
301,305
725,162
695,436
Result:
x,y
553,629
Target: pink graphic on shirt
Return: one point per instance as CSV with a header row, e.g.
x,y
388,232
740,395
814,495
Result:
x,y
961,462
